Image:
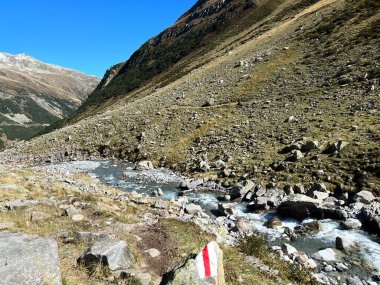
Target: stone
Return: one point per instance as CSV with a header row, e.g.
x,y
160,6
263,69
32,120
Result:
x,y
321,187
310,264
160,204
328,268
354,281
273,223
241,190
300,207
193,209
153,252
226,209
288,190
340,267
308,228
288,249
310,145
39,216
351,224
290,119
346,244
77,217
299,189
301,257
319,195
371,215
243,226
28,259
327,255
295,155
18,204
335,147
89,237
144,278
114,254
187,272
364,197
7,226
260,192
144,165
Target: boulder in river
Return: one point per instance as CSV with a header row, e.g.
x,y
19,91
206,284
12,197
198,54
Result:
x,y
301,207
327,255
115,254
28,259
346,244
371,214
144,165
308,228
226,209
240,190
351,224
273,223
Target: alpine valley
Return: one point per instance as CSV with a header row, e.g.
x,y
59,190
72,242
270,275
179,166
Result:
x,y
249,129
34,95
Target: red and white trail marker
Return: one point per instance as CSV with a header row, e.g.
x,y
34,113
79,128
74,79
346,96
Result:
x,y
208,261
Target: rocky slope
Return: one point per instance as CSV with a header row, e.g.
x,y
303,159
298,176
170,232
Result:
x,y
34,94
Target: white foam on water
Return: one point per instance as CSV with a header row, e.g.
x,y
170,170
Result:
x,y
369,249
205,199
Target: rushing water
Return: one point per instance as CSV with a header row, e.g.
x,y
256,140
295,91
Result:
x,y
121,175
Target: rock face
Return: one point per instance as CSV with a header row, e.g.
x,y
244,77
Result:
x,y
302,207
192,270
115,254
28,259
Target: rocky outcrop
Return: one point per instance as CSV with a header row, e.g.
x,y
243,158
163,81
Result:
x,y
114,254
28,259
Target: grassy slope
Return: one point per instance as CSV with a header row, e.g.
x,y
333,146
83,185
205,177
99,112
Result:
x,y
320,79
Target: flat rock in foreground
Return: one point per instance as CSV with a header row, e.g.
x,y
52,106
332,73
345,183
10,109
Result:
x,y
28,259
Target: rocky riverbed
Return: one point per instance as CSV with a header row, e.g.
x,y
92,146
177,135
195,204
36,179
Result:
x,y
139,222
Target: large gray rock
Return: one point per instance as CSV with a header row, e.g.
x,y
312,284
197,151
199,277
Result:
x,y
364,197
328,255
193,209
288,249
28,259
346,244
115,254
301,207
240,190
371,214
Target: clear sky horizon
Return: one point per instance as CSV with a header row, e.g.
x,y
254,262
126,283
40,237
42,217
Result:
x,y
86,35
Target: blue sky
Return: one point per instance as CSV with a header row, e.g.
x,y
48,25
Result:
x,y
87,35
